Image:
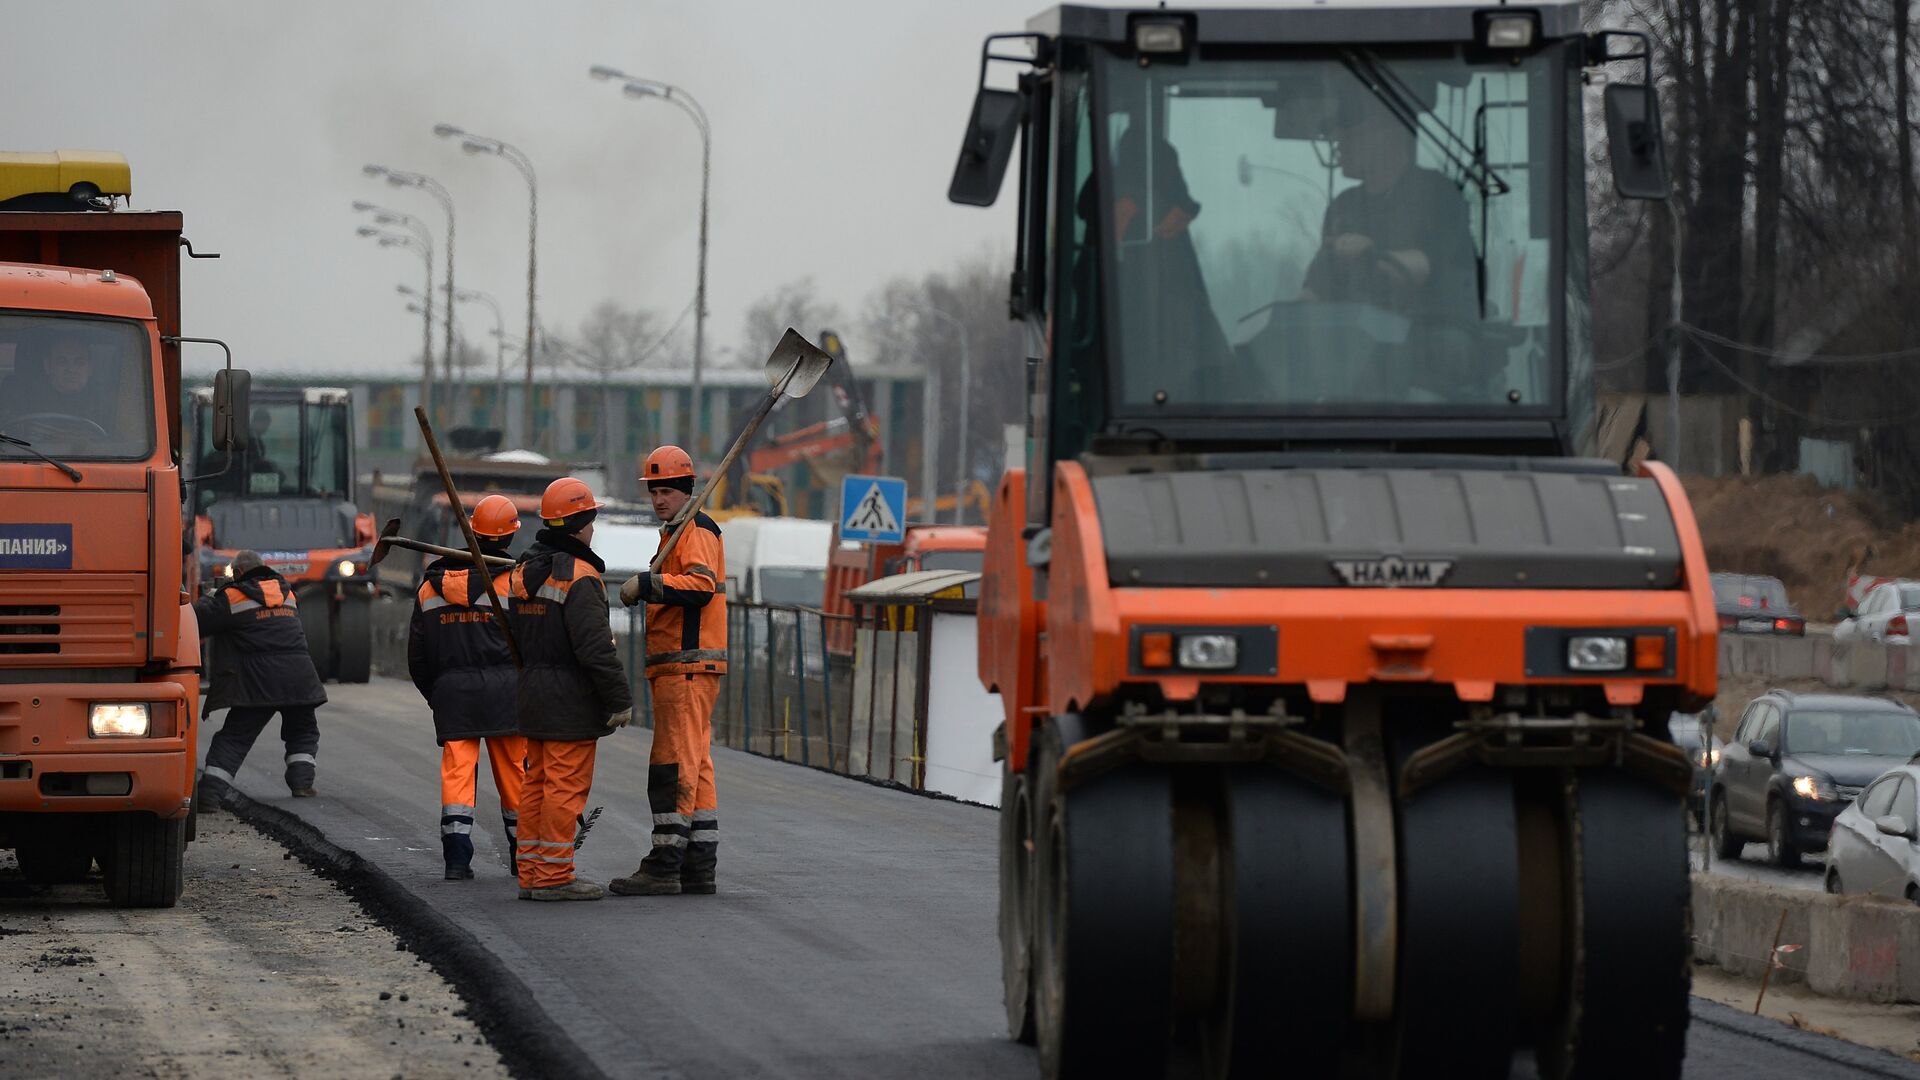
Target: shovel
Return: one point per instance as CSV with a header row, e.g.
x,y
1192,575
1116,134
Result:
x,y
793,369
390,538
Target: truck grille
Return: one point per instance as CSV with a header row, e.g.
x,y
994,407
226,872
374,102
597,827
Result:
x,y
91,620
26,621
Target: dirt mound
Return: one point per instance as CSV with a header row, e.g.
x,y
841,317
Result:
x,y
1803,534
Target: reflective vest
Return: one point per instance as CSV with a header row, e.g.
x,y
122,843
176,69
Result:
x,y
687,605
571,679
458,655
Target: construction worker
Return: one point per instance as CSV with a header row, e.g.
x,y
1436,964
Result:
x,y
686,655
458,658
572,688
262,667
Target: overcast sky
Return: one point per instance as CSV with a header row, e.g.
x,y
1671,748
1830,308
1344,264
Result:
x,y
835,130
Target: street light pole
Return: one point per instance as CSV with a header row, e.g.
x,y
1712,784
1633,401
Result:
x,y
643,88
481,144
966,384
499,411
402,178
425,248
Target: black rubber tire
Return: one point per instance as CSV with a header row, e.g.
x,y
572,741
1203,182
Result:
x,y
1459,926
1726,844
193,816
1104,928
1016,904
58,855
143,865
316,622
1291,914
1780,849
1627,1010
353,643
1833,884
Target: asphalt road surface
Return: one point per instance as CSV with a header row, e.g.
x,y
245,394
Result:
x,y
854,932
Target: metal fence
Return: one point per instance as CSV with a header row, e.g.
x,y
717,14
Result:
x,y
788,694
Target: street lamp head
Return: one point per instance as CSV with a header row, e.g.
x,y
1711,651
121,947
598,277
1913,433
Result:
x,y
637,89
447,131
394,241
405,290
601,73
362,206
416,309
387,217
374,170
366,230
474,146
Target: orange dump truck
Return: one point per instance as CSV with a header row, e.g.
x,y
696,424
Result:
x,y
98,647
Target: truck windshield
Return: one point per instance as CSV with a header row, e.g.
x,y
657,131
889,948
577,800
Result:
x,y
1350,232
77,389
296,449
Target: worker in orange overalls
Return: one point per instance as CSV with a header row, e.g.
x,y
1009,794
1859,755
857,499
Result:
x,y
458,658
572,688
686,655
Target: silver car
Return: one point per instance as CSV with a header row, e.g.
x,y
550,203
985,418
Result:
x,y
1886,614
1873,847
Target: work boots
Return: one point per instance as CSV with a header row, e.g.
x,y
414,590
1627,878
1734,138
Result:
x,y
459,872
644,882
577,889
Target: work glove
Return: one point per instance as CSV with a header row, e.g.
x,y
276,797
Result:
x,y
620,719
631,590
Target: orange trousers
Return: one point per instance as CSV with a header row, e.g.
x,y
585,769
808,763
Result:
x,y
680,791
459,775
559,775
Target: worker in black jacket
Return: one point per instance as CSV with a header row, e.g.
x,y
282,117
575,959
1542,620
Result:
x,y
458,658
572,687
262,667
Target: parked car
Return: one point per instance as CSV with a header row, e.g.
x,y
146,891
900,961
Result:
x,y
777,560
1693,732
1874,847
1884,614
1796,761
1755,604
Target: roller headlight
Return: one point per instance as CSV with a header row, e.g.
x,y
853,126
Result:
x,y
346,568
1209,652
1597,653
119,720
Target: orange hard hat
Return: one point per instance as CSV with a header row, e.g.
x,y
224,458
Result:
x,y
566,497
495,516
666,463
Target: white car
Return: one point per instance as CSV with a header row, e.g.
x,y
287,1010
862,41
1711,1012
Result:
x,y
1873,848
1884,614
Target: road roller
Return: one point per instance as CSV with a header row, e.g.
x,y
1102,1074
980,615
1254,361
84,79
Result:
x,y
1336,655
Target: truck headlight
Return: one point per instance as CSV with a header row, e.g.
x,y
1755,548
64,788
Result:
x,y
1209,652
1814,787
118,720
346,568
1597,653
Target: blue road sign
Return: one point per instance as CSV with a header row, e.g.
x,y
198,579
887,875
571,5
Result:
x,y
873,509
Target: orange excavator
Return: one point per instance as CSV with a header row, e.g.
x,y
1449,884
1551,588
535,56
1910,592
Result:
x,y
1336,665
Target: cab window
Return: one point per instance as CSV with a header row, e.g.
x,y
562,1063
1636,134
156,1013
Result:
x,y
76,389
1878,801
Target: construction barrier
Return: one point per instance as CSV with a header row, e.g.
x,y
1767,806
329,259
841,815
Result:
x,y
1844,946
1858,665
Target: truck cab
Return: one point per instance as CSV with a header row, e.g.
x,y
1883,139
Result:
x,y
99,653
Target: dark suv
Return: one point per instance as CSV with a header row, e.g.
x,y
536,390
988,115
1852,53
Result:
x,y
1796,761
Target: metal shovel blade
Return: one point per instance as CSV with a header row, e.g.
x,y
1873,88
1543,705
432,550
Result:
x,y
797,361
385,542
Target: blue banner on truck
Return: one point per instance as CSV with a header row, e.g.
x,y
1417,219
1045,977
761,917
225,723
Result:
x,y
36,547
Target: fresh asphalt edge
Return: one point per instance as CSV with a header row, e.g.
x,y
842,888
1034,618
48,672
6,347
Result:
x,y
1871,1061
528,1041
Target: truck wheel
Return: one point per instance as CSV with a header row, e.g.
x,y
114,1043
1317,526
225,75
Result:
x,y
58,856
316,621
353,640
143,861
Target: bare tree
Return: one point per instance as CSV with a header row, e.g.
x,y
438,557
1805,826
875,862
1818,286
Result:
x,y
612,339
796,304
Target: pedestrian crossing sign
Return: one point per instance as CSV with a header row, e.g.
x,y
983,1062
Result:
x,y
873,509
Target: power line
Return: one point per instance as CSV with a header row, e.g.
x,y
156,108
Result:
x,y
1791,410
